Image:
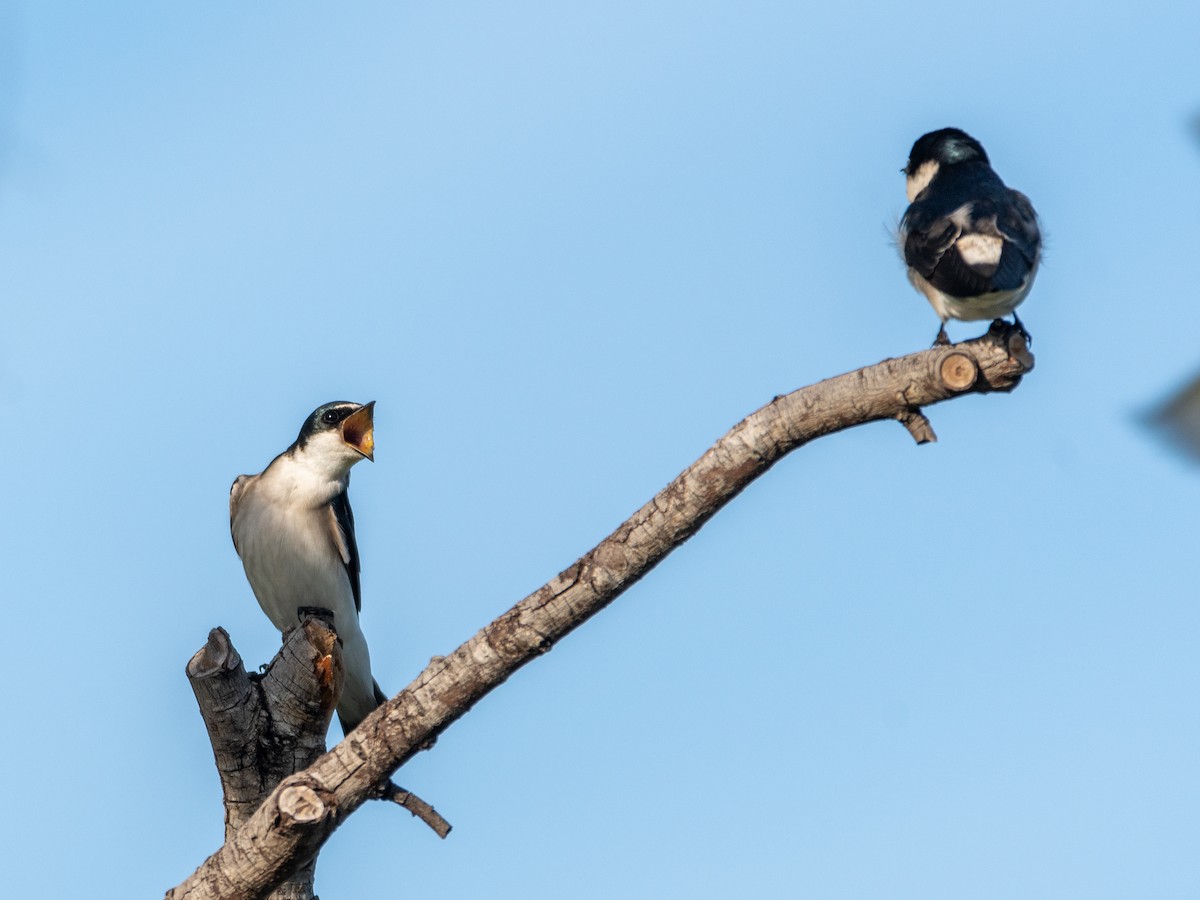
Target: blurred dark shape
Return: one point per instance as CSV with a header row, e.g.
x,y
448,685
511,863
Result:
x,y
1178,420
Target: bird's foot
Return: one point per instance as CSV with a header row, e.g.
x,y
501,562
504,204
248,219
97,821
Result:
x,y
942,338
1021,328
317,612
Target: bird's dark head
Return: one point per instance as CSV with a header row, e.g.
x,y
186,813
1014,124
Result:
x,y
340,429
945,147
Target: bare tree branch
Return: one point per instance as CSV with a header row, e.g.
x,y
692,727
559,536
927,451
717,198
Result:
x,y
415,805
297,818
264,729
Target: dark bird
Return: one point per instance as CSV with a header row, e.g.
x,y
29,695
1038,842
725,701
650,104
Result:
x,y
971,244
293,528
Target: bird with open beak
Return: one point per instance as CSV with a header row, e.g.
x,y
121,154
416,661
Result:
x,y
294,531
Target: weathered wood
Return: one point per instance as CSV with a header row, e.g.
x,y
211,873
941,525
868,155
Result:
x,y
411,721
264,729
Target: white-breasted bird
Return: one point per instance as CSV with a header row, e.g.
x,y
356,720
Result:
x,y
971,244
294,531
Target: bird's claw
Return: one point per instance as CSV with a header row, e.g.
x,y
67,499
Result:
x,y
1021,330
319,612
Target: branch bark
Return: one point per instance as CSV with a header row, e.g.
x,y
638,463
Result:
x,y
264,729
298,816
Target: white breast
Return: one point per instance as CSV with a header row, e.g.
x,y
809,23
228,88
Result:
x,y
286,535
283,530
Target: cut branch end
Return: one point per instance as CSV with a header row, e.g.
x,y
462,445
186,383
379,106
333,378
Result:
x,y
217,655
918,425
958,371
299,804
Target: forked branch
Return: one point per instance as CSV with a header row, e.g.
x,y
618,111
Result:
x,y
306,808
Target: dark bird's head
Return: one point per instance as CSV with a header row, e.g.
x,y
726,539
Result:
x,y
339,434
945,147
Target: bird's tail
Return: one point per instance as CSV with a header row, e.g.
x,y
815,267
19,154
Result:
x,y
350,721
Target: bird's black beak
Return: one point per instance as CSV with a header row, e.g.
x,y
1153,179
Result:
x,y
358,430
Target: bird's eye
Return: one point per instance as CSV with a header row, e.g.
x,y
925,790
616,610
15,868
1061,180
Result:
x,y
330,417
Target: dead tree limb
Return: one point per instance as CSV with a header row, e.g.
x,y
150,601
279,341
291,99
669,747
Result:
x,y
300,814
265,728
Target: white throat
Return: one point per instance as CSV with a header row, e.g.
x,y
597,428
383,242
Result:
x,y
919,180
327,455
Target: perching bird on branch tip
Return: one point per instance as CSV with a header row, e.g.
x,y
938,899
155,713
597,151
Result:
x,y
294,531
971,244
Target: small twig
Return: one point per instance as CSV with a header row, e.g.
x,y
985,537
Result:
x,y
918,425
389,790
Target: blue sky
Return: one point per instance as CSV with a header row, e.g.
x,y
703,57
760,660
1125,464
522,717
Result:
x,y
565,247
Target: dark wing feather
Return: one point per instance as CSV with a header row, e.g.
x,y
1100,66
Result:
x,y
930,242
954,277
1012,270
1014,221
347,546
926,239
235,494
1018,225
